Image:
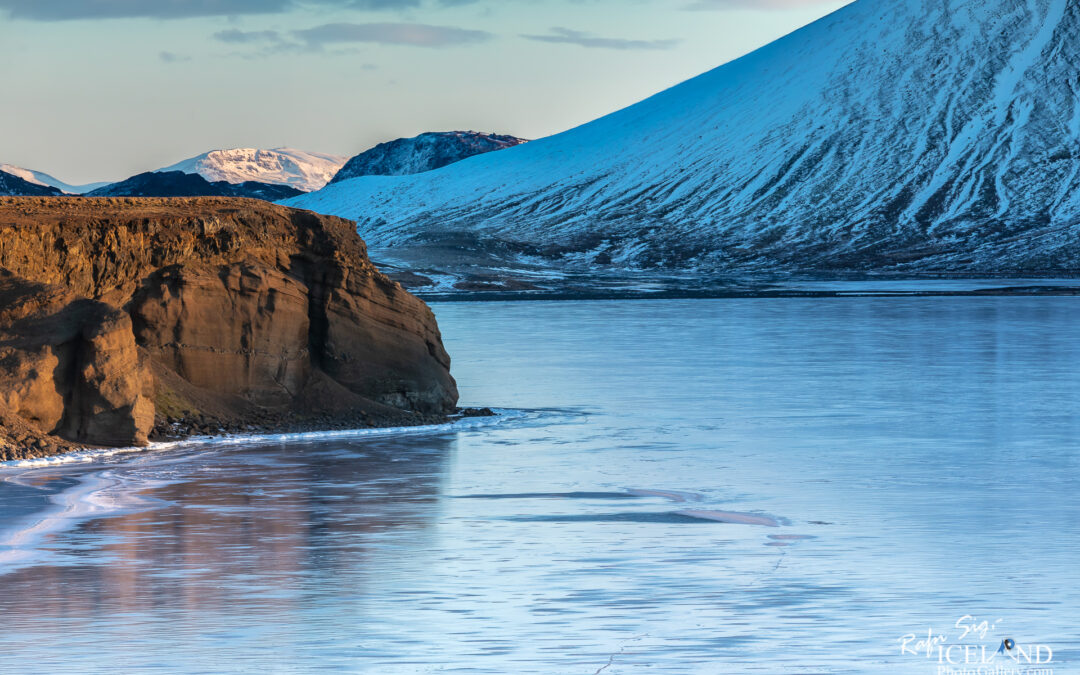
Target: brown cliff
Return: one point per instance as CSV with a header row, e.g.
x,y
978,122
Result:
x,y
206,312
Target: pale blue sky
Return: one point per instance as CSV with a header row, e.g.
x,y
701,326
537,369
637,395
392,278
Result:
x,y
102,89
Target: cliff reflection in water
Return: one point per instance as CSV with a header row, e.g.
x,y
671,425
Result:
x,y
240,527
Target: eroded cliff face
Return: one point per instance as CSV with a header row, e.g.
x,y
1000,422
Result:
x,y
113,311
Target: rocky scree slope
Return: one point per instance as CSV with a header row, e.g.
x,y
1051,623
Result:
x,y
119,316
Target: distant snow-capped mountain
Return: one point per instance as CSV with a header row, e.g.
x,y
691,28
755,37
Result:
x,y
305,171
893,135
16,186
425,152
180,184
39,178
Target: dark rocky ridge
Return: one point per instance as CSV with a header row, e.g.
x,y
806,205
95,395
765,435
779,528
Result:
x,y
125,318
180,184
425,152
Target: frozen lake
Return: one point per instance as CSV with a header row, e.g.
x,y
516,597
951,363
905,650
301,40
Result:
x,y
682,486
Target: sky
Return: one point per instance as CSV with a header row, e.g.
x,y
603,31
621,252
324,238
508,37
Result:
x,y
104,89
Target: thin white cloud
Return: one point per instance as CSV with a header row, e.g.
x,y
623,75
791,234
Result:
x,y
67,10
407,34
573,37
172,57
707,5
241,37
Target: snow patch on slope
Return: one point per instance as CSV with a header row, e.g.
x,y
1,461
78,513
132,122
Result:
x,y
40,178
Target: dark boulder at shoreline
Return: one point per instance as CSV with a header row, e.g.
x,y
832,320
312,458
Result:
x,y
121,319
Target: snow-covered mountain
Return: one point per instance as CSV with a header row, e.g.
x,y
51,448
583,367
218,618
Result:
x,y
39,178
305,171
891,135
426,152
15,186
180,184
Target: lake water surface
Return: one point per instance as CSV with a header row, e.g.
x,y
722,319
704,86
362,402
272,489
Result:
x,y
699,486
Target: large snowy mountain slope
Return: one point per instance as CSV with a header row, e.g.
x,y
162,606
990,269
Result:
x,y
897,135
425,152
305,171
40,178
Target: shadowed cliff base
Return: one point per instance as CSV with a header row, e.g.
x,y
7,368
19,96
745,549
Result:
x,y
127,319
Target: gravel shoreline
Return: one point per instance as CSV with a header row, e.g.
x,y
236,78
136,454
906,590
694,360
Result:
x,y
173,429
168,428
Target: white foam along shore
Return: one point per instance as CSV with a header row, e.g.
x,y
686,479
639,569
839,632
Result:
x,y
97,493
91,498
18,545
101,454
